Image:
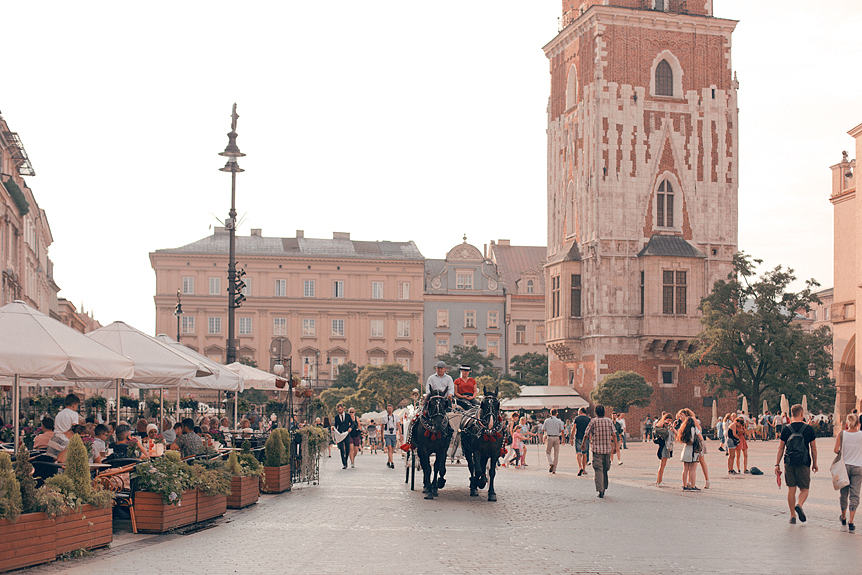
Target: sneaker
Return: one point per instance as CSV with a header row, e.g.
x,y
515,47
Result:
x,y
662,485
620,463
345,467
686,488
731,472
747,472
721,448
693,488
793,520
801,513
352,466
843,520
601,494
706,485
550,469
851,527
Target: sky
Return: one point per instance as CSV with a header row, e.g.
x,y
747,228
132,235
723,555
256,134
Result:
x,y
389,120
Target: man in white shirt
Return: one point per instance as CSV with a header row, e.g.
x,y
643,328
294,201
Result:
x,y
63,424
553,428
622,421
440,382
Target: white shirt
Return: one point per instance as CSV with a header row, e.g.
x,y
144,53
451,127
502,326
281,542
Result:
x,y
65,420
622,423
438,383
852,449
388,424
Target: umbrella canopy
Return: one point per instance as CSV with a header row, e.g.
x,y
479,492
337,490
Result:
x,y
805,404
714,413
745,406
253,377
538,397
221,378
765,407
785,405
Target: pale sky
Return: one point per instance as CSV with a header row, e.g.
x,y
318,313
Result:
x,y
389,120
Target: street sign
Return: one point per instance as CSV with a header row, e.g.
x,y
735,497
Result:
x,y
279,347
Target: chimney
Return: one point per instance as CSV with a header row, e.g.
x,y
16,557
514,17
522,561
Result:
x,y
506,243
300,233
256,232
340,235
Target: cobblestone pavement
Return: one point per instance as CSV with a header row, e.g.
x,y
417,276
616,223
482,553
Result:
x,y
366,520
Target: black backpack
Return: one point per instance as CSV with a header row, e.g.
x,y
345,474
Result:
x,y
796,450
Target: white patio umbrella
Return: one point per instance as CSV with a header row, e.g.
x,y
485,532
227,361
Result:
x,y
745,406
36,346
805,405
714,413
253,377
785,405
765,407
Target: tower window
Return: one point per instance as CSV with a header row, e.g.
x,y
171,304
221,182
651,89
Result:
x,y
674,294
663,79
555,296
529,286
576,295
664,205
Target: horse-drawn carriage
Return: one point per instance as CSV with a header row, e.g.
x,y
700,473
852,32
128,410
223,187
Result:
x,y
435,429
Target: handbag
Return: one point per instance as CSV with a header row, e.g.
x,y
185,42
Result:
x,y
840,479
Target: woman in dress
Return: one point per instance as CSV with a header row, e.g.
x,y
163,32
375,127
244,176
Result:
x,y
731,441
687,434
664,436
851,441
701,458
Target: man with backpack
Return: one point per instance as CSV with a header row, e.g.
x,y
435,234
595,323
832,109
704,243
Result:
x,y
799,449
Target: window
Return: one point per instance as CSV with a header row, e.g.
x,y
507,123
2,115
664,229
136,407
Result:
x,y
659,5
403,290
520,334
464,280
338,328
214,325
279,326
215,286
642,293
576,295
470,319
335,362
826,314
280,288
246,291
309,327
245,326
572,87
674,292
555,296
338,288
664,205
377,290
214,357
376,328
493,348
188,324
404,362
540,334
308,288
663,78
442,346
309,368
403,328
530,286
470,340
376,361
188,286
442,318
493,319
814,315
667,376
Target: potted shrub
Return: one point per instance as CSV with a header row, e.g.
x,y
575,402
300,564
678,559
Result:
x,y
246,472
212,480
277,468
165,496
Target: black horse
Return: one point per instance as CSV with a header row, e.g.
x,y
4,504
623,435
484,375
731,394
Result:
x,y
482,440
432,433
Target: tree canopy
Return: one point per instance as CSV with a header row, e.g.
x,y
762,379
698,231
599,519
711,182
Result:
x,y
471,355
347,374
530,369
507,388
622,389
750,335
376,387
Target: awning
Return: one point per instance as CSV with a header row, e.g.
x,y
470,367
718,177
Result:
x,y
539,397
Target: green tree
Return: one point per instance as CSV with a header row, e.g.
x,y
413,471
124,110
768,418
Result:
x,y
347,374
530,369
471,355
622,389
750,336
247,361
388,383
507,389
333,396
257,396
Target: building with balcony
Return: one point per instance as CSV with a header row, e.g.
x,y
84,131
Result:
x,y
642,190
320,302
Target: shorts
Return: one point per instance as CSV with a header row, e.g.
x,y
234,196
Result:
x,y
389,440
729,443
582,450
797,476
357,441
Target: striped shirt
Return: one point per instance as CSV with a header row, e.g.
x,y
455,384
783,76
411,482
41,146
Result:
x,y
601,433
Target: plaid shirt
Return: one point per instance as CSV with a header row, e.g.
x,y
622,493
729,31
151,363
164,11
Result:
x,y
601,433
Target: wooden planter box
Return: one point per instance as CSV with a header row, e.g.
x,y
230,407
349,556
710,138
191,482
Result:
x,y
153,516
244,491
88,529
29,541
277,479
210,506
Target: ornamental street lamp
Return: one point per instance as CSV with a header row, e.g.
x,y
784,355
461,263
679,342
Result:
x,y
178,311
231,152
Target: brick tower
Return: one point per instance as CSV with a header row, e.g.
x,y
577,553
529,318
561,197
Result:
x,y
642,190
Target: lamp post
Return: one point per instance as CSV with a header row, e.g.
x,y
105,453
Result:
x,y
178,311
278,369
231,152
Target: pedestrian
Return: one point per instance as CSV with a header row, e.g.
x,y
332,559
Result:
x,y
389,435
371,430
648,427
526,433
688,435
742,449
354,436
618,430
664,434
582,447
342,426
701,458
719,433
553,428
849,444
517,445
603,441
510,455
327,426
799,449
731,442
621,419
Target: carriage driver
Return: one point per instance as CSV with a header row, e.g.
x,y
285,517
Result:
x,y
440,382
465,388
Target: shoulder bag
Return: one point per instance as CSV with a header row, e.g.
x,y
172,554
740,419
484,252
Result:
x,y
838,470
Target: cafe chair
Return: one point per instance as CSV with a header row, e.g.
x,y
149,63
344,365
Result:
x,y
118,480
42,470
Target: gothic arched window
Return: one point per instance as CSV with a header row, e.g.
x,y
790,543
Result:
x,y
529,286
663,79
664,205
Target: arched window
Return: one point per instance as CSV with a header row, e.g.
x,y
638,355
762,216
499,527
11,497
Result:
x,y
664,205
529,286
572,88
663,79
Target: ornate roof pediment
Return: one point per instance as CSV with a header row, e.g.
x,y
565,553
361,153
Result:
x,y
465,253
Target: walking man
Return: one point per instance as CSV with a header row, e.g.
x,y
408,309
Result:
x,y
582,448
799,449
342,426
603,439
553,428
389,435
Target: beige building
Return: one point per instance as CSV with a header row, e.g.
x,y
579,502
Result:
x,y
81,321
25,269
331,300
847,281
521,269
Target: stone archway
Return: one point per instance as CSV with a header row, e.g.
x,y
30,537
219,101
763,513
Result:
x,y
846,398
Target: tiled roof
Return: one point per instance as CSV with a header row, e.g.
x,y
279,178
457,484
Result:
x,y
512,261
308,247
569,253
672,246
